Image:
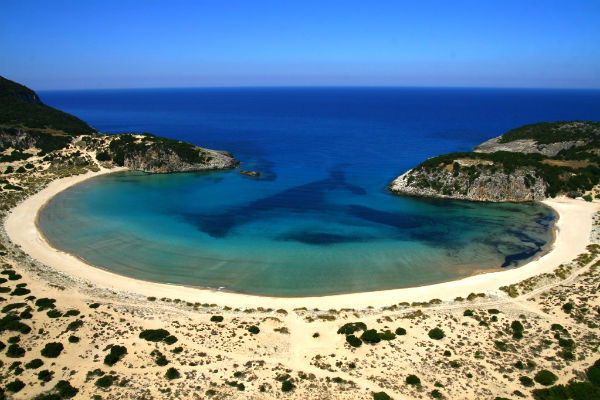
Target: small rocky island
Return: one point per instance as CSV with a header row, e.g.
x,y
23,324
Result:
x,y
530,163
29,128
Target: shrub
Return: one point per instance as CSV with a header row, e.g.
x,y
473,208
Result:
x,y
351,327
468,313
436,334
381,396
413,380
567,307
216,318
177,350
518,329
53,314
316,335
400,331
52,350
172,373
545,377
116,353
11,322
353,341
65,390
254,329
94,305
170,339
34,364
74,325
593,373
493,311
105,381
387,335
436,394
15,351
587,197
45,375
154,335
44,304
15,386
73,339
287,386
526,381
72,313
20,291
370,336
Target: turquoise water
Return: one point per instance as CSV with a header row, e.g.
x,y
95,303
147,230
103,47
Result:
x,y
222,230
319,220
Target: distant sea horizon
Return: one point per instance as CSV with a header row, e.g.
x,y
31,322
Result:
x,y
319,220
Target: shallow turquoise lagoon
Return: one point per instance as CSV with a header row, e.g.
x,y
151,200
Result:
x,y
222,230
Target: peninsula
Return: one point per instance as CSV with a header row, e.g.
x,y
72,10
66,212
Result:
x,y
70,330
533,162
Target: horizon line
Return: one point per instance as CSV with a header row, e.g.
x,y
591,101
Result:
x,y
323,87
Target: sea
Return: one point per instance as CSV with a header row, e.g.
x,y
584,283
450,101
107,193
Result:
x,y
319,220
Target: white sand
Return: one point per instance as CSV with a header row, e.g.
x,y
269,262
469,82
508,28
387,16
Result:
x,y
572,236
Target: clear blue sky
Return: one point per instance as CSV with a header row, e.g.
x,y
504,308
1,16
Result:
x,y
122,44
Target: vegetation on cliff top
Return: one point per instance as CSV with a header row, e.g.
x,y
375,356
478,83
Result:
x,y
20,107
572,171
554,132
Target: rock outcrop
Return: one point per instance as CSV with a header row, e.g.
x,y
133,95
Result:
x,y
529,163
522,185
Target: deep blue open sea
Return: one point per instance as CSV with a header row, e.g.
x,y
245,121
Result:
x,y
319,220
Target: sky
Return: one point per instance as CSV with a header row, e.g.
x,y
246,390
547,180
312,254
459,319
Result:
x,y
134,44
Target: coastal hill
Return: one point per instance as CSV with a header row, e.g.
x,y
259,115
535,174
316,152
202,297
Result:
x,y
29,128
529,163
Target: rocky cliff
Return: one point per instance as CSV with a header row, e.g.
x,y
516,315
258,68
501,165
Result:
x,y
28,127
526,164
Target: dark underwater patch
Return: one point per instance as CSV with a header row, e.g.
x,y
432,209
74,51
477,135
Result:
x,y
321,238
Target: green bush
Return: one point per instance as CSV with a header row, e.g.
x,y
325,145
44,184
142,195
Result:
x,y
387,335
381,396
518,329
172,373
116,353
413,380
545,377
105,382
73,339
94,305
34,364
52,350
370,336
65,390
254,329
526,381
400,331
436,334
567,307
45,303
468,313
154,335
287,386
15,351
74,325
15,386
351,327
53,314
353,341
170,339
45,375
588,197
216,318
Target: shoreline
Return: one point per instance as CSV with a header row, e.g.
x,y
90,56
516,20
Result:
x,y
571,236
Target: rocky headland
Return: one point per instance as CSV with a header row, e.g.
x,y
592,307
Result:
x,y
29,128
530,163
